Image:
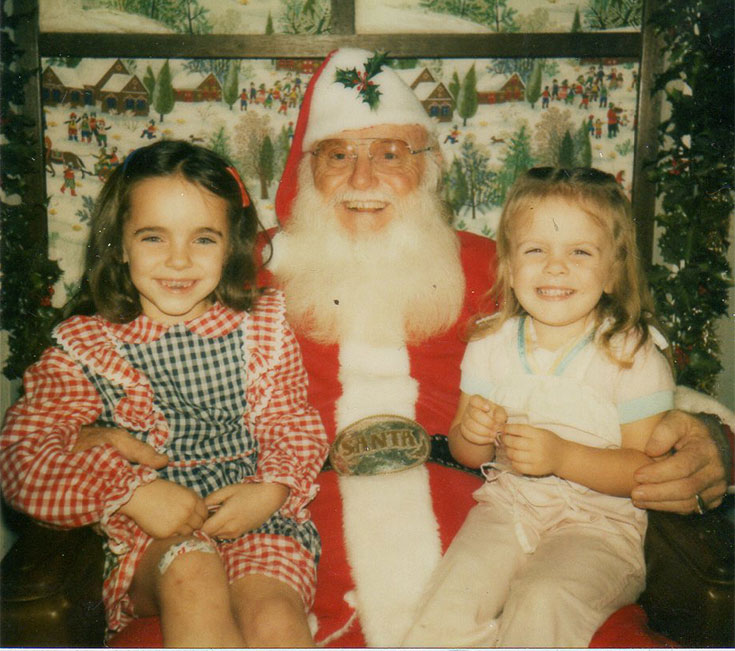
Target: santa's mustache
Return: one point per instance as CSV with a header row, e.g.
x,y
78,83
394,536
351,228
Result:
x,y
350,196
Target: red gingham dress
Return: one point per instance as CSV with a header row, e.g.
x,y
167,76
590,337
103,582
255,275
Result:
x,y
71,385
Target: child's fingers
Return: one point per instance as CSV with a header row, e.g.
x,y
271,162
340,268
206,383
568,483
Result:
x,y
499,414
480,403
196,518
485,427
216,498
487,412
481,417
201,513
515,437
478,429
218,522
185,530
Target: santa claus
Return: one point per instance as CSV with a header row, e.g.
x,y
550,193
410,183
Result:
x,y
379,285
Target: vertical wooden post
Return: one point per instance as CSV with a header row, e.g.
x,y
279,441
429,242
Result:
x,y
26,36
646,142
343,17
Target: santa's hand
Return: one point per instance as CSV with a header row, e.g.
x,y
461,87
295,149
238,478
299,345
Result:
x,y
531,450
695,467
239,508
132,449
482,421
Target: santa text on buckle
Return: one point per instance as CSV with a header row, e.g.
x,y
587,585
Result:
x,y
379,444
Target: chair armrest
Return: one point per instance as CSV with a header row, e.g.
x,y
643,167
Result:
x,y
52,588
689,591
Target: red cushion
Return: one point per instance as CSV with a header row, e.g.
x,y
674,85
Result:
x,y
144,633
628,627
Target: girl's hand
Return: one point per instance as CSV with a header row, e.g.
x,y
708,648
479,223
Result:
x,y
533,451
482,421
163,509
242,507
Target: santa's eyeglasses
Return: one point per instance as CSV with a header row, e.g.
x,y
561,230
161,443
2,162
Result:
x,y
385,153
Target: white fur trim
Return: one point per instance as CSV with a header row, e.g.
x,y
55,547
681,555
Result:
x,y
335,107
393,546
375,380
688,399
391,533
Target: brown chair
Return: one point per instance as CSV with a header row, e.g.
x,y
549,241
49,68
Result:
x,y
51,587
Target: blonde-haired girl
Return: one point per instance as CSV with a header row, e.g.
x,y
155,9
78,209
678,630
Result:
x,y
560,393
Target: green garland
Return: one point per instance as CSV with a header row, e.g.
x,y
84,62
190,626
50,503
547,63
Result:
x,y
28,274
694,182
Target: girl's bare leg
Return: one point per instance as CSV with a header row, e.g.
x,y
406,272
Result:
x,y
190,592
270,613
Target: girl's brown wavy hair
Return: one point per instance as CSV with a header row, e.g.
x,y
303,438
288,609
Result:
x,y
106,287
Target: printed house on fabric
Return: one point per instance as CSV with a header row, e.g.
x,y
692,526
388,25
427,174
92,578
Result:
x,y
513,90
115,91
434,96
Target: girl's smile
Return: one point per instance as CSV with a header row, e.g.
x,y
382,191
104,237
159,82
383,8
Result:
x,y
175,241
554,293
178,285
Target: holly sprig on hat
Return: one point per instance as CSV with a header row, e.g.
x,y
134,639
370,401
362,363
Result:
x,y
368,90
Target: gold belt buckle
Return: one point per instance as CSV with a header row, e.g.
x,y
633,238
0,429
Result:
x,y
377,445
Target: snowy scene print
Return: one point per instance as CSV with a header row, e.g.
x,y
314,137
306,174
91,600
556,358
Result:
x,y
494,118
478,16
186,16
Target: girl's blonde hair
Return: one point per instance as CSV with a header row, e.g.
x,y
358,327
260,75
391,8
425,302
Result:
x,y
629,304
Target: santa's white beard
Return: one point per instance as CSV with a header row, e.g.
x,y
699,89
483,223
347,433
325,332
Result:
x,y
403,283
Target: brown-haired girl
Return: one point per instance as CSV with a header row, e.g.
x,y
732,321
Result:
x,y
171,342
560,393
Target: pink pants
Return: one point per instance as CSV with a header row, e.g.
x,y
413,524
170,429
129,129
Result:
x,y
488,591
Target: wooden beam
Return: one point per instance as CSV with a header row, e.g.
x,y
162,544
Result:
x,y
211,46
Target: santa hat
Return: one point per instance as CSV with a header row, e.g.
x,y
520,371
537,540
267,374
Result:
x,y
352,89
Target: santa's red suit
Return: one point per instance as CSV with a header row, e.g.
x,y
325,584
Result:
x,y
382,535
